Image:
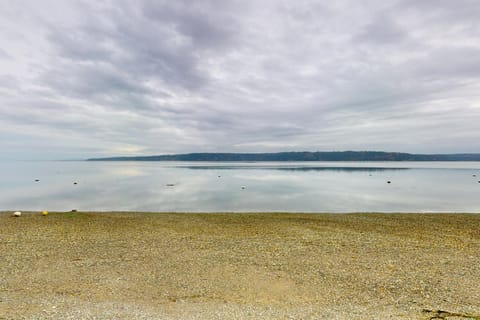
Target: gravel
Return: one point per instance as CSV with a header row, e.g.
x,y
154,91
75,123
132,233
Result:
x,y
90,265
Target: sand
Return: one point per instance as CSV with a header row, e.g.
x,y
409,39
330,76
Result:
x,y
239,266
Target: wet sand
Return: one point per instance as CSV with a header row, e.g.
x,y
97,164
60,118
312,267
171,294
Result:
x,y
239,266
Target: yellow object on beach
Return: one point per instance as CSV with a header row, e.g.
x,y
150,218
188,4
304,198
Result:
x,y
44,213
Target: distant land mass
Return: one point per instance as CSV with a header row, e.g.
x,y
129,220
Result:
x,y
302,156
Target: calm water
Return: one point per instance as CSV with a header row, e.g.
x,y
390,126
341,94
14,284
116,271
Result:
x,y
301,187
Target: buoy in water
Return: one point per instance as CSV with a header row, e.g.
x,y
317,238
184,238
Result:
x,y
17,214
44,213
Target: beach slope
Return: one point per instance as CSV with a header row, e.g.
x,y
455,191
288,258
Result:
x,y
239,266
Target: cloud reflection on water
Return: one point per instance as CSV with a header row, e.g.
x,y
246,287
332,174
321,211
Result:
x,y
315,188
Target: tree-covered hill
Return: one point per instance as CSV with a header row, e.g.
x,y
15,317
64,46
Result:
x,y
301,156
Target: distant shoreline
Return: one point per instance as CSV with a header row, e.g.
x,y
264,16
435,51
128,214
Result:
x,y
305,156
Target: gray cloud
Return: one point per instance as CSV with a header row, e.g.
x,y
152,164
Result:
x,y
206,25
162,40
4,54
451,63
382,30
149,77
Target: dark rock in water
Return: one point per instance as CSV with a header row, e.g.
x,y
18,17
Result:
x,y
243,187
389,181
74,183
219,176
37,180
170,185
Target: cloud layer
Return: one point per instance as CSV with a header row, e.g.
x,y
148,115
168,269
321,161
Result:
x,y
95,78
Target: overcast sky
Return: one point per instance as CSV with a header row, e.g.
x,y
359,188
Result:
x,y
83,79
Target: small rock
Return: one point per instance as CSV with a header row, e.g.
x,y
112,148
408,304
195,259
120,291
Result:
x,y
75,183
389,181
74,210
17,214
243,187
37,180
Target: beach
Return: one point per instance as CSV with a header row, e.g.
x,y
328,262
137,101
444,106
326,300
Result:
x,y
127,265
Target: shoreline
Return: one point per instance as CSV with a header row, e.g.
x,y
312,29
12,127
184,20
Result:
x,y
315,213
155,265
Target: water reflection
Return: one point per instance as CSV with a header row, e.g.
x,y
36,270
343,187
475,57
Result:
x,y
295,187
283,168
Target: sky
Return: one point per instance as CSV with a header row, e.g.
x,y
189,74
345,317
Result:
x,y
81,79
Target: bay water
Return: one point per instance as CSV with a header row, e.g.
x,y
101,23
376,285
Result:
x,y
247,187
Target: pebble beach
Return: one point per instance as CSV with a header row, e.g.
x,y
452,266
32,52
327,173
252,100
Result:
x,y
127,265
